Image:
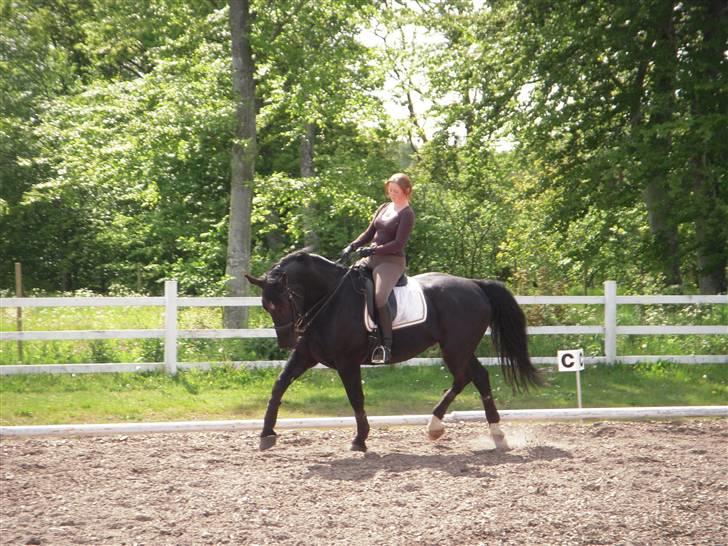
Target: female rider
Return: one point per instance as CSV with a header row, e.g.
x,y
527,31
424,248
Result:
x,y
389,230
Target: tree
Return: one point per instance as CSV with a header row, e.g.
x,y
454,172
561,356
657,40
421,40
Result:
x,y
37,63
122,168
706,91
610,112
126,177
242,163
314,78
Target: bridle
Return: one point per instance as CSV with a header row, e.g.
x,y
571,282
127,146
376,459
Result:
x,y
300,322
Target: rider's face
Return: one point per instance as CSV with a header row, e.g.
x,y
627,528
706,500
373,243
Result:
x,y
396,194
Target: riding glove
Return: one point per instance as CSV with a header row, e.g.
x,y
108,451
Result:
x,y
345,253
366,251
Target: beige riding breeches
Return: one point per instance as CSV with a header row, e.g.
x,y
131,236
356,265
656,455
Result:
x,y
386,271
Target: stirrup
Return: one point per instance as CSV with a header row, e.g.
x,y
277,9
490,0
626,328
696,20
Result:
x,y
381,354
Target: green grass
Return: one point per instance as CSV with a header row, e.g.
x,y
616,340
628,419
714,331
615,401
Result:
x,y
226,393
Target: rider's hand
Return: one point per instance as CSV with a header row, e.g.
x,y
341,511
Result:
x,y
366,251
345,253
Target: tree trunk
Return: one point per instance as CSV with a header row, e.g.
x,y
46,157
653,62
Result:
x,y
711,235
664,229
311,238
66,280
306,150
711,217
242,162
661,212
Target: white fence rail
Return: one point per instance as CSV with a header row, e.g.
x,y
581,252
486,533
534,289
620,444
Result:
x,y
669,412
170,333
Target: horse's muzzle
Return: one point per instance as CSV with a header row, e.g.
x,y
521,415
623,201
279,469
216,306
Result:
x,y
286,340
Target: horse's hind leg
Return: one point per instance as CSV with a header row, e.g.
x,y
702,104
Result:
x,y
481,380
436,428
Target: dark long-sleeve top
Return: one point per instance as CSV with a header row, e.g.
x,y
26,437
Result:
x,y
389,234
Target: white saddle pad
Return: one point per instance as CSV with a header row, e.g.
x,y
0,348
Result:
x,y
411,306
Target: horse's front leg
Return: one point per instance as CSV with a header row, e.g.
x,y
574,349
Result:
x,y
296,365
351,378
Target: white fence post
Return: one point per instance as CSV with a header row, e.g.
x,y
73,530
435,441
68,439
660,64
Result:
x,y
610,321
170,327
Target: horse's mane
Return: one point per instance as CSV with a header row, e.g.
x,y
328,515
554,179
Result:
x,y
305,254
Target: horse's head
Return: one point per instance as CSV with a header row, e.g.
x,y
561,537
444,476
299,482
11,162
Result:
x,y
288,288
280,303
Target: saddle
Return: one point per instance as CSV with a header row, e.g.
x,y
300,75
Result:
x,y
406,303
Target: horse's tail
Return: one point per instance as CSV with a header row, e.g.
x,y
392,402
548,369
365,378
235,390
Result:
x,y
508,331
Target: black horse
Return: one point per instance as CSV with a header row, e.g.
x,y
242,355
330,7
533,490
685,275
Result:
x,y
319,314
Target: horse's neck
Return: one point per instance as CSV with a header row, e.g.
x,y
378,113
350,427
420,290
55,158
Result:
x,y
321,282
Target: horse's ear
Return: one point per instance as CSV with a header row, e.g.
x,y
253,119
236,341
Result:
x,y
255,281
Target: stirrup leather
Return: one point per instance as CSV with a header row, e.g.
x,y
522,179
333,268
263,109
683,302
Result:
x,y
381,354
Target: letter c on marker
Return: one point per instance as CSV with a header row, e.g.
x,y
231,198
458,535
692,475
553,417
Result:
x,y
570,362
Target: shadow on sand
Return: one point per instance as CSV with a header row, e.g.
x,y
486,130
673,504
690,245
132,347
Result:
x,y
474,464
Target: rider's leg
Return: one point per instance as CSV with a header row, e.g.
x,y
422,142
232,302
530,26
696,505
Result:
x,y
385,276
385,334
386,271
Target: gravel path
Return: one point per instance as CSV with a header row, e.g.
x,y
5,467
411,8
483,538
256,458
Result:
x,y
655,482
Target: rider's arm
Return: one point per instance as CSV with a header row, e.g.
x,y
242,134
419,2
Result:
x,y
368,234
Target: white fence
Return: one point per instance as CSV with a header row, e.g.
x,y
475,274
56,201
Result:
x,y
669,412
170,333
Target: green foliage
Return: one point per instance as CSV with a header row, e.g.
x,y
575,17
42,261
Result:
x,y
610,142
126,160
566,143
133,167
312,69
342,211
618,129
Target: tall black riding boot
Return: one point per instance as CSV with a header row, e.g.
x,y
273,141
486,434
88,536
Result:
x,y
383,353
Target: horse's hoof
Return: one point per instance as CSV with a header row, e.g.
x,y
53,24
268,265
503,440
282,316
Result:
x,y
267,442
358,446
499,438
435,434
501,444
435,428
